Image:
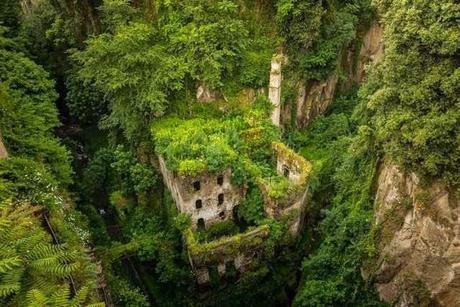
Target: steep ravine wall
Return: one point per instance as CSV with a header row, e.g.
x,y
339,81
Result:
x,y
314,97
3,151
418,241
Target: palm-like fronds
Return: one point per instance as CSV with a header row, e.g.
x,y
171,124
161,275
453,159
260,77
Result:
x,y
33,271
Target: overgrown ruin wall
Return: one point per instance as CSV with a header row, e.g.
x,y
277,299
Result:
x,y
292,207
213,201
238,251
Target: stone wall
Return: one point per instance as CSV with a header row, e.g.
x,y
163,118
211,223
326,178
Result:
x,y
291,207
238,251
418,242
274,91
212,201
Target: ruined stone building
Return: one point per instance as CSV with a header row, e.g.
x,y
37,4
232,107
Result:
x,y
209,198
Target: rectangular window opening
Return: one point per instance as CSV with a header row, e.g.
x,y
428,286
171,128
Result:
x,y
220,180
286,171
200,224
220,199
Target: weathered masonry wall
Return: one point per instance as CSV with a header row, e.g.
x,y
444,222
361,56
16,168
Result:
x,y
207,198
274,93
291,207
229,253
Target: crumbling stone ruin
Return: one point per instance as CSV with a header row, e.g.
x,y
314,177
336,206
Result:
x,y
209,198
274,91
291,204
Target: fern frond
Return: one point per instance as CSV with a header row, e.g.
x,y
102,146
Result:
x,y
7,264
8,289
36,298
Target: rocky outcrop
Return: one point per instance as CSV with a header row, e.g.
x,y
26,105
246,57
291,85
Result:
x,y
314,97
372,51
3,151
418,241
205,94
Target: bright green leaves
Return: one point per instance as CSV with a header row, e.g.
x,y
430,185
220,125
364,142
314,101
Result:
x,y
414,93
210,37
315,31
28,113
135,71
140,66
31,268
193,146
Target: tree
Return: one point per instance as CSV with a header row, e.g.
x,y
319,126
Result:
x,y
414,92
208,34
138,82
28,113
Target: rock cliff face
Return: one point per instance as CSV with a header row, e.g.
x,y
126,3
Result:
x,y
3,151
419,241
314,97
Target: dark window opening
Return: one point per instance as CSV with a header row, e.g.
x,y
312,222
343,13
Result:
x,y
220,180
214,277
231,273
220,198
197,185
285,171
222,215
198,203
235,214
200,224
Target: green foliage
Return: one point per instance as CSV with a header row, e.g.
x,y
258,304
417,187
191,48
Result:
x,y
138,82
255,63
299,22
209,35
217,230
126,295
29,181
10,15
414,92
85,102
27,97
32,269
316,31
134,176
251,210
191,147
342,184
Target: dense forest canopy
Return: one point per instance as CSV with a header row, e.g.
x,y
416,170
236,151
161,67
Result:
x,y
93,91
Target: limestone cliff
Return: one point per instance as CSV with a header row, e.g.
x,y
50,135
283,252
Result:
x,y
314,97
418,235
3,151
